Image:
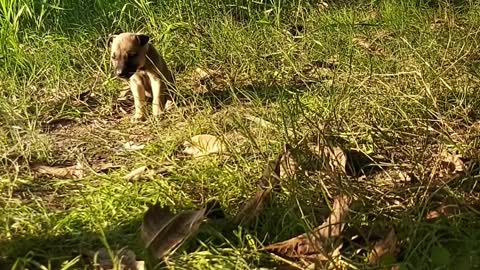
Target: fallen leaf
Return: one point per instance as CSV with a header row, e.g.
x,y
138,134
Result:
x,y
253,206
315,242
75,171
200,74
288,165
383,248
367,45
162,231
269,181
443,210
123,94
347,161
130,146
136,173
362,42
102,167
201,145
208,80
322,6
452,162
124,258
336,157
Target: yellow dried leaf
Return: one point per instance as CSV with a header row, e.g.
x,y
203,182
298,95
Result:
x,y
201,145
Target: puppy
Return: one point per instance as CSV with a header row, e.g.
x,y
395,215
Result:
x,y
136,60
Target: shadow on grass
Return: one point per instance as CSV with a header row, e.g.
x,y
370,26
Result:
x,y
26,251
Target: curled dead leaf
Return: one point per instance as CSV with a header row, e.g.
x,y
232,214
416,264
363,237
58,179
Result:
x,y
79,170
103,167
201,145
130,146
136,173
443,210
269,181
163,232
351,162
288,165
253,206
75,171
315,242
124,259
452,163
384,247
336,157
367,45
207,80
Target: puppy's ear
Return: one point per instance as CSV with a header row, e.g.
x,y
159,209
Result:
x,y
143,39
110,39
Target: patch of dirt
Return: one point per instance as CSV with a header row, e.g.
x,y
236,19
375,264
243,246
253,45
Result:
x,y
97,139
44,192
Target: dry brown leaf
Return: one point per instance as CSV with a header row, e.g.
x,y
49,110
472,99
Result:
x,y
269,181
322,6
384,247
125,260
162,231
130,146
207,80
337,159
443,210
288,165
314,243
201,145
135,174
253,206
200,74
452,162
75,171
362,42
102,167
367,45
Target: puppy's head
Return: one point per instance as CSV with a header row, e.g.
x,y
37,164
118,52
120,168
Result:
x,y
128,53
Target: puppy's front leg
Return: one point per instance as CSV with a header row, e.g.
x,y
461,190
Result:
x,y
158,92
138,91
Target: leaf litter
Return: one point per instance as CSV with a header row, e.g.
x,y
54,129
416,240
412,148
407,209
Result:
x,y
79,170
136,173
383,248
202,145
315,244
269,181
163,232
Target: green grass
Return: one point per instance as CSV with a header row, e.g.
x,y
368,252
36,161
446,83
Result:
x,y
413,92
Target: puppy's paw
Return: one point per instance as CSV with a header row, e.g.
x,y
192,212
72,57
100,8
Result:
x,y
157,116
137,118
169,105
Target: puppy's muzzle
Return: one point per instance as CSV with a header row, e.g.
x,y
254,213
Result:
x,y
124,73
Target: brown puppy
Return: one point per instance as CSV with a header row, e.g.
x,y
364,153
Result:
x,y
137,61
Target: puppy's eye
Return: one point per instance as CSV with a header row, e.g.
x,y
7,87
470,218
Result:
x,y
114,56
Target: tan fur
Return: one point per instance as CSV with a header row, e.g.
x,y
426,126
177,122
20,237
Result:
x,y
136,60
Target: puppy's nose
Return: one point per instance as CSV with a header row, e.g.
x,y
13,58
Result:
x,y
121,73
